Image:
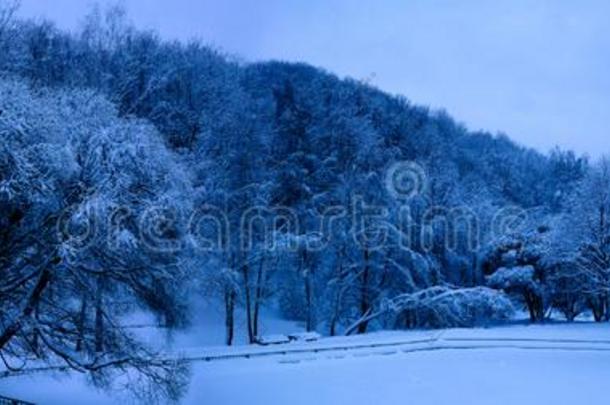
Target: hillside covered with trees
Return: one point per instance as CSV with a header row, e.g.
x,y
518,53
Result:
x,y
137,173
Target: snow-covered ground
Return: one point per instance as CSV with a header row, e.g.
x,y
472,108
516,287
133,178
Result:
x,y
548,364
506,376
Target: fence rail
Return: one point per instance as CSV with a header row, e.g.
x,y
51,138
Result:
x,y
13,401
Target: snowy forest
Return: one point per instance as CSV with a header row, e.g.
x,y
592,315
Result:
x,y
137,174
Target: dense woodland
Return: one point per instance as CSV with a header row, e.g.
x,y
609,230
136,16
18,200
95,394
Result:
x,y
113,140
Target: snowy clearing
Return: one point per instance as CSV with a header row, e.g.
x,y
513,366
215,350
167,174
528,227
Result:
x,y
550,364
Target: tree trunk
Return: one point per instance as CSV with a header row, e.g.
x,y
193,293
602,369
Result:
x,y
332,330
36,332
597,309
80,323
229,316
570,311
260,287
364,293
15,326
308,294
248,293
99,316
335,316
307,285
339,294
535,306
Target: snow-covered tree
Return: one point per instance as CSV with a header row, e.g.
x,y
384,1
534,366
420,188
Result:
x,y
68,165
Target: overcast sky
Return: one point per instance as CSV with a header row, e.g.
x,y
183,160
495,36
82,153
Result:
x,y
538,70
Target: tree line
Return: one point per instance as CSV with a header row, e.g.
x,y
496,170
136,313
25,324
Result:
x,y
113,126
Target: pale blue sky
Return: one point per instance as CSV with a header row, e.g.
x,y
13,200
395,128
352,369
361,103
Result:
x,y
538,70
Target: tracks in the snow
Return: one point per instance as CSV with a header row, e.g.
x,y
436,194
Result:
x,y
287,354
357,348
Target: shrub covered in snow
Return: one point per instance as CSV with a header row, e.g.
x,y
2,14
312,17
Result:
x,y
513,277
444,306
